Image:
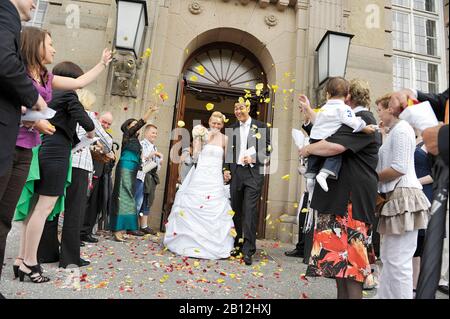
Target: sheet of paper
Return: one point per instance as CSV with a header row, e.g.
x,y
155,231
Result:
x,y
299,138
420,116
149,166
84,142
250,152
37,115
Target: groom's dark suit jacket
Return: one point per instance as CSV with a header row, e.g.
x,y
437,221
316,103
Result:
x,y
258,137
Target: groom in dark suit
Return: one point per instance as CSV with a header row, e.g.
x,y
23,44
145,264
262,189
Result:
x,y
248,150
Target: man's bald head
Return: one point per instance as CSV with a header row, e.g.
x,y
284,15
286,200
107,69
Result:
x,y
106,119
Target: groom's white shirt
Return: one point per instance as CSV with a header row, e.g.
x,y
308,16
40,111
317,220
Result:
x,y
244,130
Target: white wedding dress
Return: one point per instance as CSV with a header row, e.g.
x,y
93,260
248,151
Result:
x,y
200,223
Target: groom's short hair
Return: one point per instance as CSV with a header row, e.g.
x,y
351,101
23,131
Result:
x,y
241,104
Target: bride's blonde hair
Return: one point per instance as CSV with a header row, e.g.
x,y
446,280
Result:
x,y
218,115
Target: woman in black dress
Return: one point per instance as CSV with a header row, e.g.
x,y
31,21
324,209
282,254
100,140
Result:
x,y
54,162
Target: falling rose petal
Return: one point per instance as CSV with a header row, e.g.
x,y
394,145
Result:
x,y
247,103
268,217
200,69
241,240
197,250
287,74
269,148
147,53
275,88
258,135
163,96
241,100
181,213
193,78
164,278
295,205
259,86
258,112
231,212
267,100
303,277
233,233
291,90
209,106
304,296
181,124
285,177
225,120
293,80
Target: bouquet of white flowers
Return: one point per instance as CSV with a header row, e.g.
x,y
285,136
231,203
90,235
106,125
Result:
x,y
200,132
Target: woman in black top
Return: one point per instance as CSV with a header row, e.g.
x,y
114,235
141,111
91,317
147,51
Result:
x,y
347,210
124,216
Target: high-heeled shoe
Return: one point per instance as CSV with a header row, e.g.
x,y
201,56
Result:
x,y
16,268
35,274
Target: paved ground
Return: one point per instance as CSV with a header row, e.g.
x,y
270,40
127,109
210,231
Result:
x,y
141,268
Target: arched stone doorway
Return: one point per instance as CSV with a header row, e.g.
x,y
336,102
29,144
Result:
x,y
218,73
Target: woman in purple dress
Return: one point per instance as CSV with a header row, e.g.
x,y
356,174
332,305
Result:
x,y
37,51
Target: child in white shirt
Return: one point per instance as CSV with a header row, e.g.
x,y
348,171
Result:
x,y
326,122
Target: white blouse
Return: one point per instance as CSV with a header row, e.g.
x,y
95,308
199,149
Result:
x,y
397,152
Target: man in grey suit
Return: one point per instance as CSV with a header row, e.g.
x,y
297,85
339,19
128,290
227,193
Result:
x,y
245,169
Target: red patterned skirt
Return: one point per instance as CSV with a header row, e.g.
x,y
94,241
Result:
x,y
340,248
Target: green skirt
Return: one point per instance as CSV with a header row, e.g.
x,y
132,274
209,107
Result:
x,y
28,198
124,214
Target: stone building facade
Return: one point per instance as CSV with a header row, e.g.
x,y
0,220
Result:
x,y
278,37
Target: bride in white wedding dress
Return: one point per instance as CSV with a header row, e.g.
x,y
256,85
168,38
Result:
x,y
200,223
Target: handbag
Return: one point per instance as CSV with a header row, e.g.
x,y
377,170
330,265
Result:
x,y
382,199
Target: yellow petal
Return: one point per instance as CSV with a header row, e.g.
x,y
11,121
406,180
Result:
x,y
285,177
247,103
187,51
193,78
258,112
287,74
295,205
410,102
160,86
225,120
269,125
241,240
232,276
241,100
209,106
284,91
196,264
268,216
267,100
247,91
231,212
197,250
181,213
148,52
259,86
220,281
200,69
291,90
258,135
258,92
304,210
181,124
269,148
275,88
233,232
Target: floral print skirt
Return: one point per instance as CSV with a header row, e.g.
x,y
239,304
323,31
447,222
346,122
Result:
x,y
340,248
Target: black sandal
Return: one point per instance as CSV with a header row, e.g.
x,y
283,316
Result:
x,y
35,275
16,269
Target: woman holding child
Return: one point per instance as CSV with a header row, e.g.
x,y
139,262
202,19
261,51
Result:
x,y
347,210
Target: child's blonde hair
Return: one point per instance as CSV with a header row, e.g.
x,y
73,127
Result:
x,y
87,98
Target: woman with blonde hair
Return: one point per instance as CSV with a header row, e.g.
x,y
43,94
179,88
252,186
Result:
x,y
201,224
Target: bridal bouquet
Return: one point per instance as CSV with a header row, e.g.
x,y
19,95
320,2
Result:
x,y
200,132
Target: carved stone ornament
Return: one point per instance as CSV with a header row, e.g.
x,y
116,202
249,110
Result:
x,y
195,7
271,20
125,74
